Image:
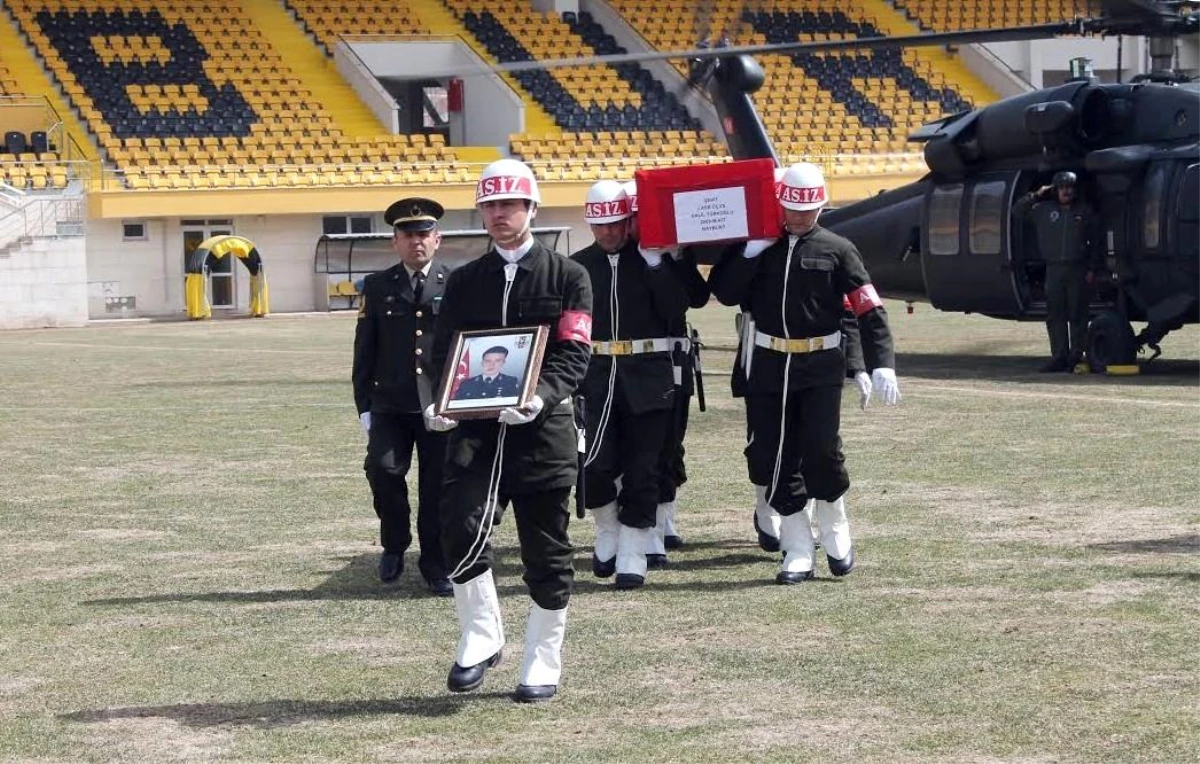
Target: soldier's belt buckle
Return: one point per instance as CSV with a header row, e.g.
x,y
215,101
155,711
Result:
x,y
620,347
646,346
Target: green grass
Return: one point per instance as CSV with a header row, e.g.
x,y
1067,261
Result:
x,y
189,552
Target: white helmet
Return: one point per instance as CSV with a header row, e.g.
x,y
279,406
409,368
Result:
x,y
606,202
803,188
507,179
630,187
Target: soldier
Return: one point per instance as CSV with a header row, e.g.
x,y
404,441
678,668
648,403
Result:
x,y
793,367
1070,244
493,382
672,471
529,455
629,388
393,382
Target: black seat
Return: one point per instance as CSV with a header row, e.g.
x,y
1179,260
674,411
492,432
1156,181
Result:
x,y
14,142
39,142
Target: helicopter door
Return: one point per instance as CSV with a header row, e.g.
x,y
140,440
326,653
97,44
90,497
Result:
x,y
965,252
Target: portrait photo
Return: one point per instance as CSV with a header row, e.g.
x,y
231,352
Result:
x,y
490,370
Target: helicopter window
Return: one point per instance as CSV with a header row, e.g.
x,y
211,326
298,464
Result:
x,y
1152,214
987,212
944,219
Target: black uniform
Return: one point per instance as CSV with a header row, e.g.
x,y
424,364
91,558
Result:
x,y
794,290
537,462
672,470
629,405
1068,239
479,387
393,379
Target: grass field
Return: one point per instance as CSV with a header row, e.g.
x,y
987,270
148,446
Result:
x,y
189,557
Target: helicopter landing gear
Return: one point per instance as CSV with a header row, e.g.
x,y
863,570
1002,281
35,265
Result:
x,y
1111,342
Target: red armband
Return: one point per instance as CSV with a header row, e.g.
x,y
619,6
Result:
x,y
574,325
864,299
846,303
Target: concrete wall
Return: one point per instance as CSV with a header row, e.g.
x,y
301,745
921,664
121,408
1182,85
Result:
x,y
1035,60
355,71
44,283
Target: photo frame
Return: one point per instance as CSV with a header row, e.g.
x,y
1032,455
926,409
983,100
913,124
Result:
x,y
489,370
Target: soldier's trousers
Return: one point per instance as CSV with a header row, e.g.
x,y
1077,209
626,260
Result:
x,y
541,520
809,461
672,472
630,449
389,458
1066,310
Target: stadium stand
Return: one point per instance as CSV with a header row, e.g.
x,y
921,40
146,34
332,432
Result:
x,y
8,85
327,19
947,16
192,95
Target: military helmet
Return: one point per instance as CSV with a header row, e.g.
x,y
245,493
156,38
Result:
x,y
1064,178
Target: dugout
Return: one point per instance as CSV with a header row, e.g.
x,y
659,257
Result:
x,y
343,260
199,265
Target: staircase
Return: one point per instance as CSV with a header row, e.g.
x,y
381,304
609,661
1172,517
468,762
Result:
x,y
441,21
894,23
316,72
24,67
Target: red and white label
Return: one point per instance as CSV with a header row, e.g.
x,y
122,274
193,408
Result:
x,y
615,208
499,185
574,325
864,299
801,194
633,203
846,303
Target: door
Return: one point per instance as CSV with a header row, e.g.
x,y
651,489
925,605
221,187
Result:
x,y
222,274
965,251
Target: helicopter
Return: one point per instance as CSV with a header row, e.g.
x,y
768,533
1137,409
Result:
x,y
949,238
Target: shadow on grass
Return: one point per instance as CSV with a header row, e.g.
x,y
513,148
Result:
x,y
283,713
1177,372
1185,544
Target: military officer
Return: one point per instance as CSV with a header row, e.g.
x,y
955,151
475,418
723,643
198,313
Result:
x,y
393,382
793,367
493,382
529,455
1069,241
672,471
630,385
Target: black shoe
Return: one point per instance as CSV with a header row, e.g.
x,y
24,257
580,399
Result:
x,y
656,561
673,542
603,568
1055,365
440,587
766,541
841,567
534,693
629,581
391,565
467,679
793,578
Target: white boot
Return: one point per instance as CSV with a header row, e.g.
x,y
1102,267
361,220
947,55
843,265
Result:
x,y
542,665
631,556
656,550
671,537
482,636
810,509
835,535
766,521
796,541
607,532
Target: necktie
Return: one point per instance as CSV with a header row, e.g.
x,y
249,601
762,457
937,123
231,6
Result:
x,y
418,285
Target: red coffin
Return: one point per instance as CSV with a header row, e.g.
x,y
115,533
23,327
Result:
x,y
707,203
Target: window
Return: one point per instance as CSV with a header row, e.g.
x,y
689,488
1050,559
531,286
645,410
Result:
x,y
340,224
1152,212
943,219
133,230
987,217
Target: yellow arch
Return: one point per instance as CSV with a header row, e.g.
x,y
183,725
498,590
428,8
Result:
x,y
196,282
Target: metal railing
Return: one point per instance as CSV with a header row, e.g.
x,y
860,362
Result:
x,y
43,217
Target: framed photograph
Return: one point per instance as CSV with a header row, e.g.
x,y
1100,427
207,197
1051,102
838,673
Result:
x,y
491,369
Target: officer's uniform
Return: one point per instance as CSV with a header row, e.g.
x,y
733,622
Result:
x,y
479,387
630,394
793,296
532,465
393,379
1068,241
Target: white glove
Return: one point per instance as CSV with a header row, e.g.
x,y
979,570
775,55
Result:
x,y
365,420
756,247
525,414
863,380
885,382
676,253
653,257
435,423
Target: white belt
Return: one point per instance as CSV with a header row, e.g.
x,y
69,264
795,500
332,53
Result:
x,y
632,347
805,345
